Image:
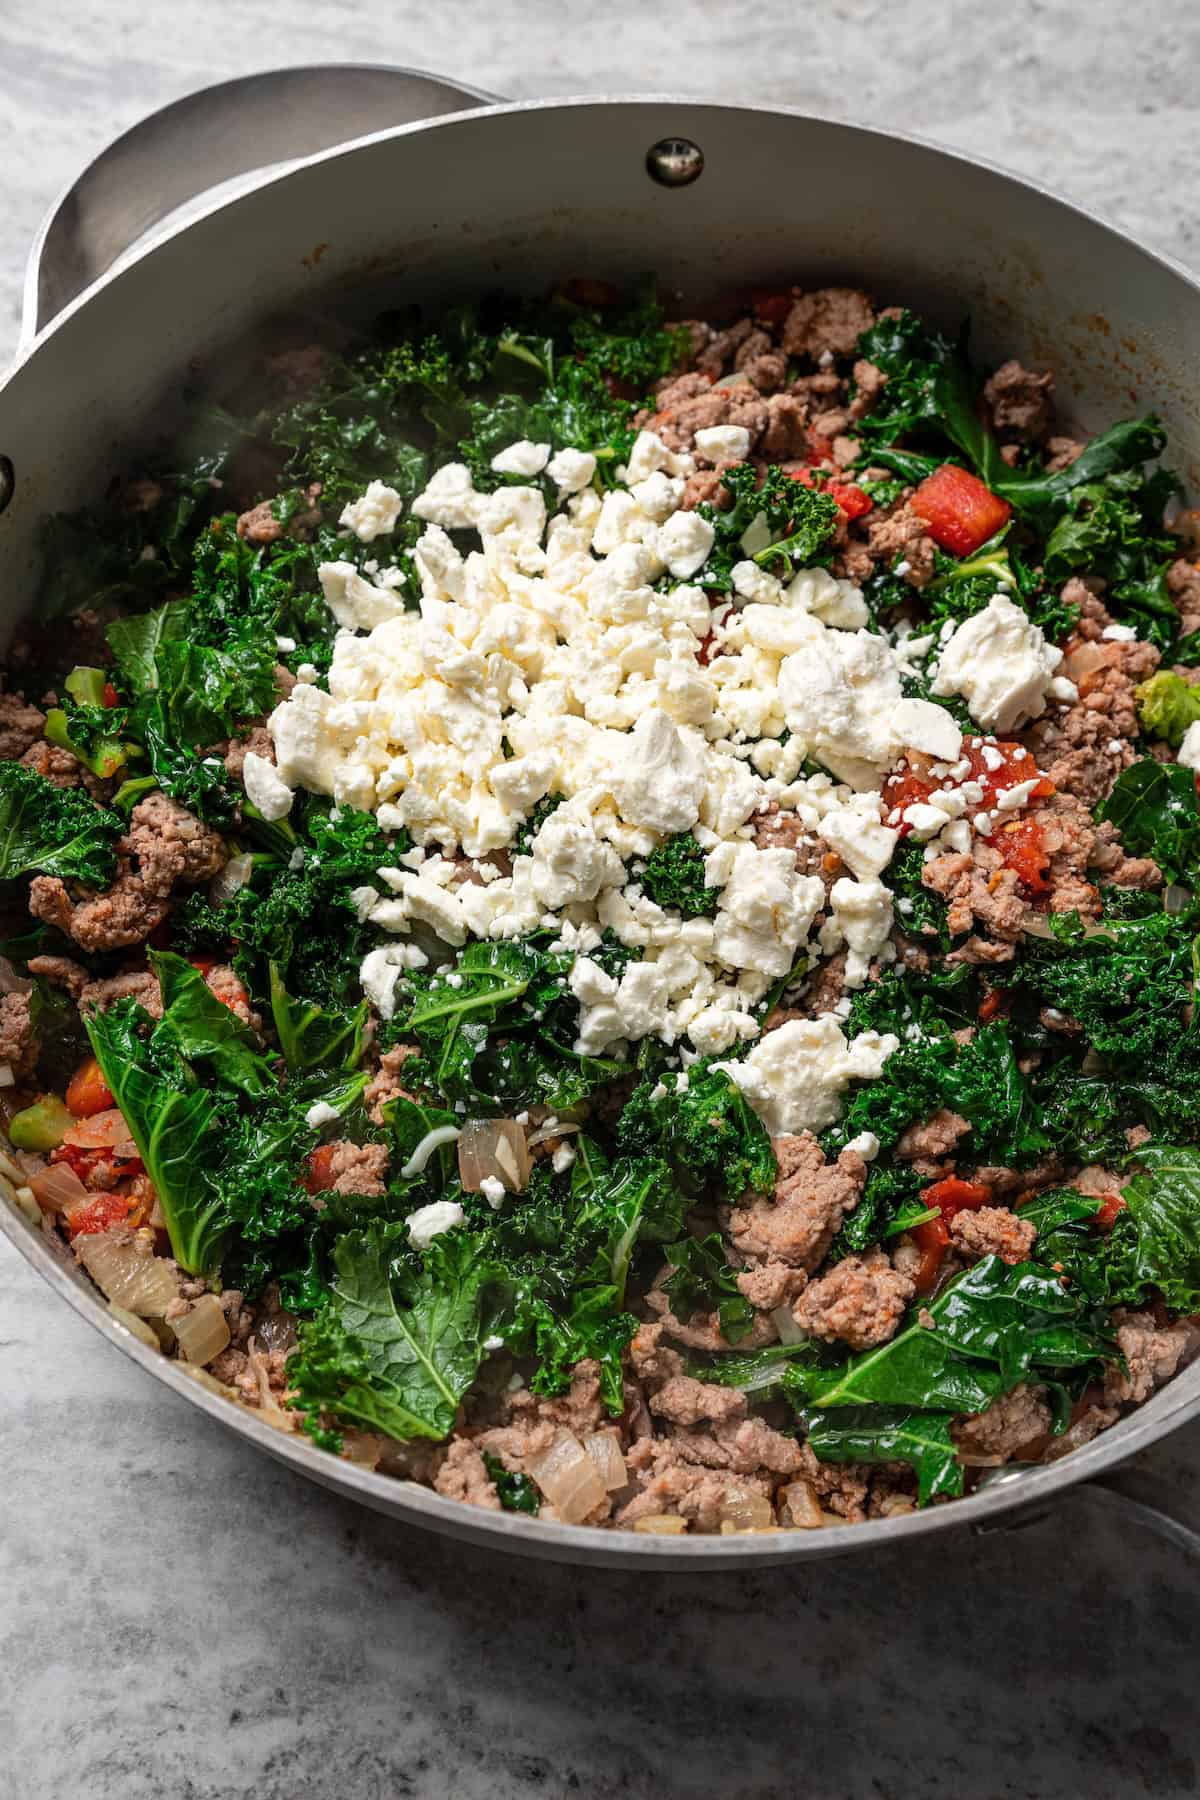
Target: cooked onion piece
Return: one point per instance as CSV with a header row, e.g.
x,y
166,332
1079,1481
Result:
x,y
495,1149
203,1332
569,1478
126,1270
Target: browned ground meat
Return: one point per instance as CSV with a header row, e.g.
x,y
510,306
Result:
x,y
829,319
385,1084
903,536
142,986
258,739
1084,748
1153,1352
937,1137
61,972
1183,583
1016,1422
358,1168
979,890
20,726
125,915
797,1224
1020,403
462,1476
172,845
685,1401
260,526
993,1231
19,1045
861,1301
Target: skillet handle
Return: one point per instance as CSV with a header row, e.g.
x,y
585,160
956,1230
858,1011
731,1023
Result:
x,y
195,144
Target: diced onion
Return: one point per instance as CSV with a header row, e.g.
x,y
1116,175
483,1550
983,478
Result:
x,y
144,1333
561,1128
362,1448
569,1478
800,1507
433,1140
277,1331
103,1131
7,1078
786,1326
234,875
495,1148
203,1332
661,1525
896,1505
1177,899
11,982
126,1271
605,1452
24,1201
59,1188
746,1509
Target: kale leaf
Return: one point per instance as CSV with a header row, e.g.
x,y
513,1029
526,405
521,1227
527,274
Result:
x,y
877,1434
48,830
199,1026
705,1130
673,876
517,1492
1155,809
798,523
701,1280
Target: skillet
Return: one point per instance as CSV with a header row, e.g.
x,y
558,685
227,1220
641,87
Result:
x,y
245,203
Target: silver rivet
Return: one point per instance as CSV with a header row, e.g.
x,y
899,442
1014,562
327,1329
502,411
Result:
x,y
8,481
674,161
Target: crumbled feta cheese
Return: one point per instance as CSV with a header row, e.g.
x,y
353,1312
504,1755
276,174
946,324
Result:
x,y
320,1113
1119,634
1012,798
355,602
794,1077
571,470
1189,750
430,1221
562,1158
1001,664
522,458
684,542
866,1145
264,789
493,1191
373,513
723,443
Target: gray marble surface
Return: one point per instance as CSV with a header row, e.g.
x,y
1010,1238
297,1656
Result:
x,y
182,1620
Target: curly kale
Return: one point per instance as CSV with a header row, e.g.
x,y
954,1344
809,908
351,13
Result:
x,y
784,524
49,830
673,876
523,842
1155,808
701,1124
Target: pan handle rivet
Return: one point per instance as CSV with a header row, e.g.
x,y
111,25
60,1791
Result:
x,y
674,162
8,481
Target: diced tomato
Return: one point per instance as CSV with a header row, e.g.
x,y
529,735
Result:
x,y
1022,849
931,1239
110,694
204,965
850,498
87,1091
84,1161
706,649
99,1214
962,514
989,1006
916,783
771,307
1106,1218
950,1196
318,1177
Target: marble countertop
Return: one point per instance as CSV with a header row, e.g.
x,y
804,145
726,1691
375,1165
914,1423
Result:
x,y
182,1620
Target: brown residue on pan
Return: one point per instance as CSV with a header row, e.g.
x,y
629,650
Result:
x,y
314,256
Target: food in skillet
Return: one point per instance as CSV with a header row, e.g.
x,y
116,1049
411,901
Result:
x,y
600,914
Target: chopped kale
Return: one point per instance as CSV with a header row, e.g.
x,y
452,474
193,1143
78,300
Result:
x,y
673,876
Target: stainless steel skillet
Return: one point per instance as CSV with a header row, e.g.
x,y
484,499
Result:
x,y
442,192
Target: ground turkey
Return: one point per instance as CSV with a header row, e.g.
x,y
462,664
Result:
x,y
797,1224
1020,403
829,319
861,1301
165,844
1012,1423
20,726
357,1168
18,1043
1152,1352
385,1085
993,1231
463,1476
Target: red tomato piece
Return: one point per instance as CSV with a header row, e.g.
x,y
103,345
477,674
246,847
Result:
x,y
109,696
950,1196
850,497
706,649
989,1006
1022,848
318,1177
962,514
931,1239
1015,765
87,1091
1111,1207
100,1214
